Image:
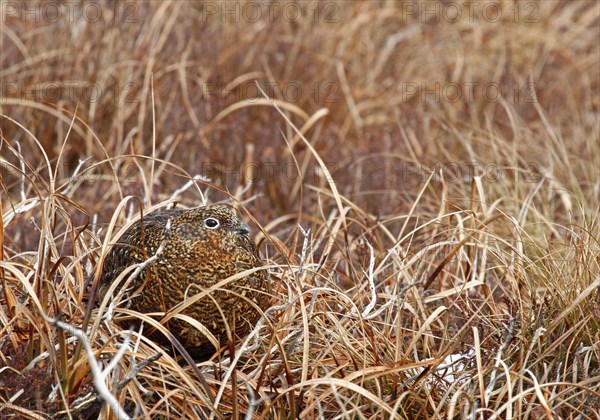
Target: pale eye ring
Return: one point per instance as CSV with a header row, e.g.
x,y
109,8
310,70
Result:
x,y
211,223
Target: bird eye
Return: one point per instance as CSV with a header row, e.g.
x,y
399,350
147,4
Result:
x,y
211,223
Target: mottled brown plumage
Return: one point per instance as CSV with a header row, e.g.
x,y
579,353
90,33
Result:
x,y
202,246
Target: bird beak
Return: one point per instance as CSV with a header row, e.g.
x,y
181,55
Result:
x,y
242,228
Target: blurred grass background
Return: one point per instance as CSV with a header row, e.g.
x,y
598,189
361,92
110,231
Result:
x,y
406,85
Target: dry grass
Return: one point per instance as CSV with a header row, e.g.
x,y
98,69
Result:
x,y
404,228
